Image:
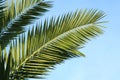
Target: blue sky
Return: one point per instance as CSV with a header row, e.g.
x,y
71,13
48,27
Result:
x,y
102,61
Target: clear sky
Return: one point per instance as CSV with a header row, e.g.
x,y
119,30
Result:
x,y
102,61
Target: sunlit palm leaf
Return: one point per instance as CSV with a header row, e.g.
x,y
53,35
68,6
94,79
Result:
x,y
18,14
53,42
5,64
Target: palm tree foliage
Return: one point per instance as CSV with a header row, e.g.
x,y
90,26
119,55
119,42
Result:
x,y
15,16
47,43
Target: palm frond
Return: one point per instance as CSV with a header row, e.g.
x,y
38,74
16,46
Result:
x,y
52,42
5,64
18,14
2,12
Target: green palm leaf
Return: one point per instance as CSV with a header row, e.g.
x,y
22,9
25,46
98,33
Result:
x,y
52,42
18,14
2,12
5,64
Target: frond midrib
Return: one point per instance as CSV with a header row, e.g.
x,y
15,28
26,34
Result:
x,y
18,16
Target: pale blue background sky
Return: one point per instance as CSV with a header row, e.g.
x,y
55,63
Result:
x,y
102,60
